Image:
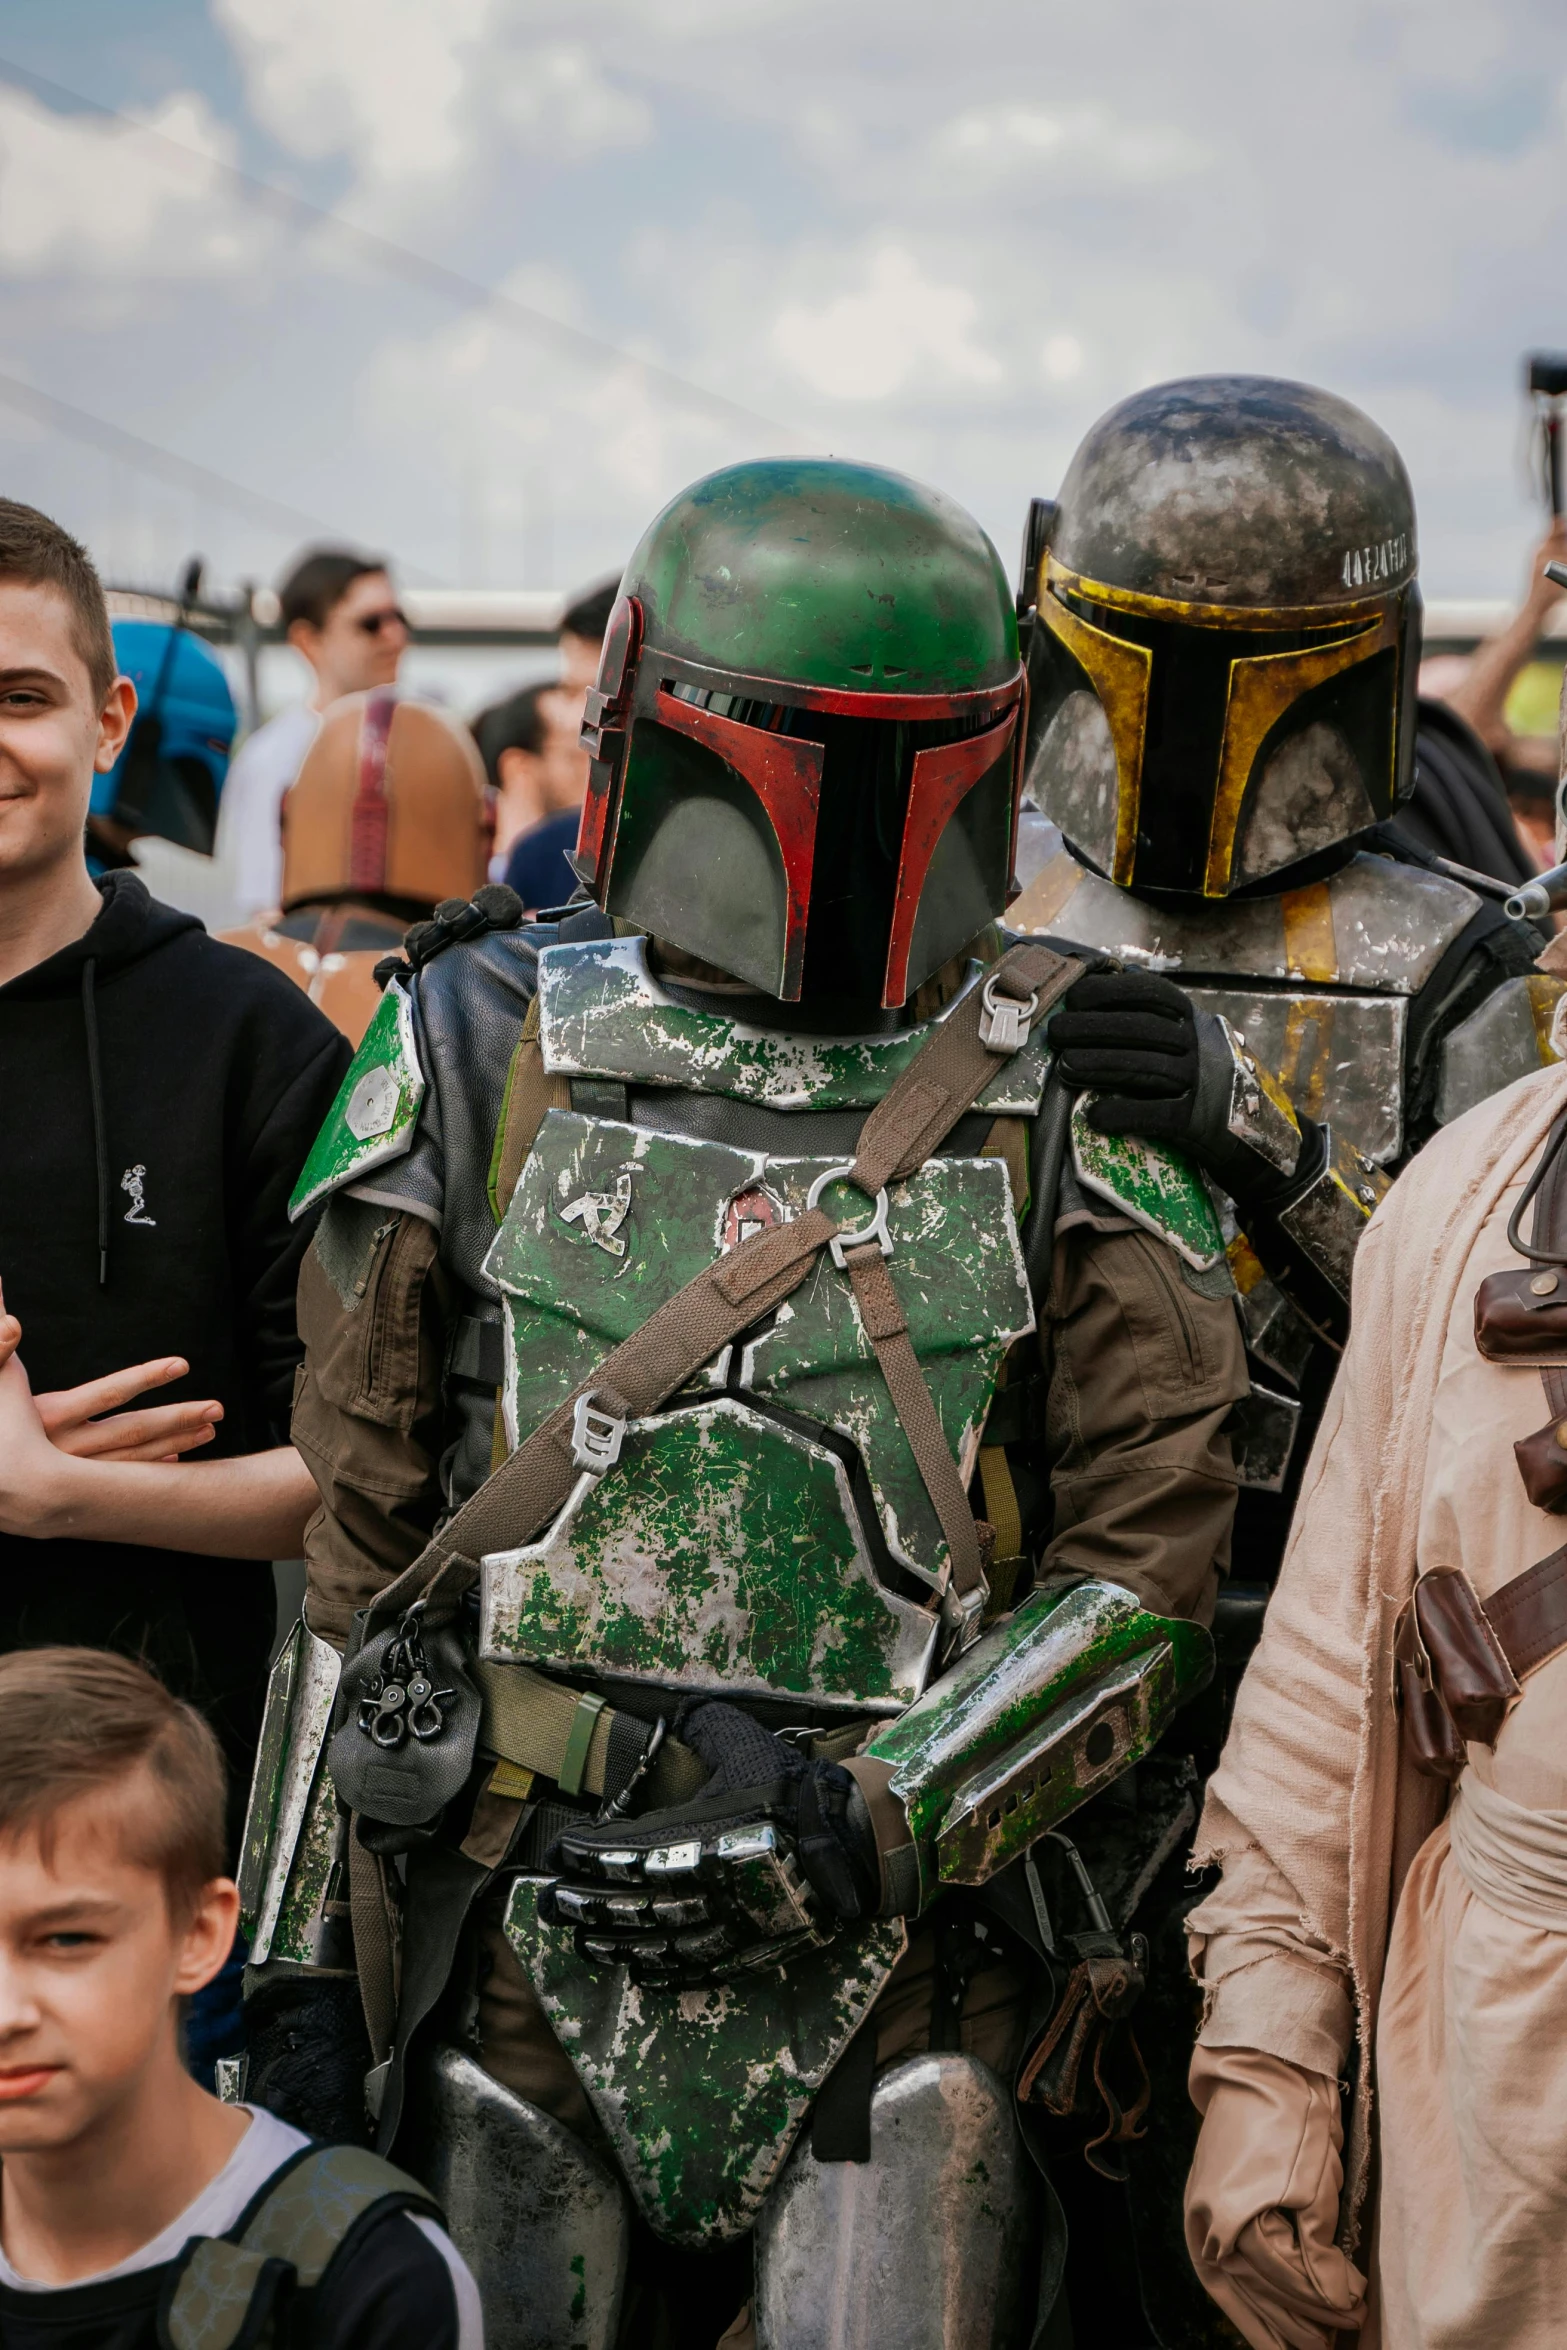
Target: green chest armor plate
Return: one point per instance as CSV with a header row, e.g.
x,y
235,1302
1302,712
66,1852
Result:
x,y
771,1534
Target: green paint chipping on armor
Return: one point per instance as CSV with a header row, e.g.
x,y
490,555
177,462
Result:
x,y
721,1552
376,1110
827,574
293,1937
723,1549
1159,1189
702,2093
266,1780
602,1013
1042,1711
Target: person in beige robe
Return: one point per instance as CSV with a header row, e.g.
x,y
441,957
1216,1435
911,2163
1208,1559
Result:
x,y
1370,1944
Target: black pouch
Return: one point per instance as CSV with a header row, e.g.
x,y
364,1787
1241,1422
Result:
x,y
408,1715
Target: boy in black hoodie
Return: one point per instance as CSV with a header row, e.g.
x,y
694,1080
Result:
x,y
159,1093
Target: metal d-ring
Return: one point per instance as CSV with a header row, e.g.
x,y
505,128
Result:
x,y
875,1227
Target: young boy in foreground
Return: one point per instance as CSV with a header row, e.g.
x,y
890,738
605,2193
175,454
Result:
x,y
113,1910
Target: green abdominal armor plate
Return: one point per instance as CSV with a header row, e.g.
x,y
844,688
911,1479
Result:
x,y
702,2093
729,1547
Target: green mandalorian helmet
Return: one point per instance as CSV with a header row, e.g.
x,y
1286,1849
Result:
x,y
1222,670
804,734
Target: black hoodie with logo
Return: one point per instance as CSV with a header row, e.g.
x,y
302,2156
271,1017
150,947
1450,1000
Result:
x,y
158,1095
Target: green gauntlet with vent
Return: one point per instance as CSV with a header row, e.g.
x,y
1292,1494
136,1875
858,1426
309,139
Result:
x,y
1043,1711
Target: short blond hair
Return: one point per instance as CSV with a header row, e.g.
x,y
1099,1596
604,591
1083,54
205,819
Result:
x,y
78,1721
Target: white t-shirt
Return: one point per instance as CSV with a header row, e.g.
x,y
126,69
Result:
x,y
266,2145
250,843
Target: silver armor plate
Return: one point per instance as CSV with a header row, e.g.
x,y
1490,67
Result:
x,y
1503,1039
1373,928
933,2242
300,1697
1340,1058
537,2216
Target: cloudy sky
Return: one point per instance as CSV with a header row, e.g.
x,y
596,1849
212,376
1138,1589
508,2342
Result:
x,y
943,234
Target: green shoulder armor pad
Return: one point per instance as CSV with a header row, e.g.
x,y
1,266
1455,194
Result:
x,y
222,2289
1159,1189
377,1107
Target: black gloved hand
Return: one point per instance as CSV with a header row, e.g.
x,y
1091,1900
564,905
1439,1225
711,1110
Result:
x,y
1159,1067
1130,1037
774,1853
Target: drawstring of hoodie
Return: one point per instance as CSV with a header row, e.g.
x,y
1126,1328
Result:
x,y
95,1082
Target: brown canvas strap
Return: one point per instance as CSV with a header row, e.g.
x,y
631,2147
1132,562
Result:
x,y
376,1944
727,1297
886,1326
1529,1614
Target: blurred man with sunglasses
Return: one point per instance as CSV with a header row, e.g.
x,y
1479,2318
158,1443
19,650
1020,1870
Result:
x,y
340,611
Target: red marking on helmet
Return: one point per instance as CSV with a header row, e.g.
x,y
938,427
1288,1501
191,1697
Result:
x,y
786,775
943,777
367,824
837,702
604,714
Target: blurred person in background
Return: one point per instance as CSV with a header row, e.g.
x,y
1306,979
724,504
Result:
x,y
387,818
509,735
1477,690
556,783
340,612
167,781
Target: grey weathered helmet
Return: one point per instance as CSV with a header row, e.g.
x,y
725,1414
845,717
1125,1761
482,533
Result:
x,y
1222,671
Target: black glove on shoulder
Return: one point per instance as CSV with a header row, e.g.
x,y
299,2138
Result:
x,y
1161,1069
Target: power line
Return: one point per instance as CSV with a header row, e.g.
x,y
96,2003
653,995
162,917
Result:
x,y
78,424
415,268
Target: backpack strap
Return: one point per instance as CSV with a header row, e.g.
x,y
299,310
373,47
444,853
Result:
x,y
226,2292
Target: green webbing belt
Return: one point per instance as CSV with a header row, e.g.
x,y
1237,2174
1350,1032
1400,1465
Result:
x,y
563,1734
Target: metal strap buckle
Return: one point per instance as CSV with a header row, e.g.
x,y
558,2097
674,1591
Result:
x,y
963,1613
1004,1022
595,1436
875,1226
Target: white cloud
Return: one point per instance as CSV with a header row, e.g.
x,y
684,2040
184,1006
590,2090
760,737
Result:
x,y
867,342
1007,138
1061,358
382,80
567,106
84,197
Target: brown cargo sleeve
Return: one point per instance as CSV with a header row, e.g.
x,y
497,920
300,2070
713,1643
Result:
x,y
1144,1370
373,1313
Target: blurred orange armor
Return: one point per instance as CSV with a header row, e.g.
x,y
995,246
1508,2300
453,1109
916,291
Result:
x,y
389,816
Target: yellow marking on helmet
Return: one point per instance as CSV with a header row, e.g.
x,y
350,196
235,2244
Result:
x,y
1261,689
1251,617
1120,675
